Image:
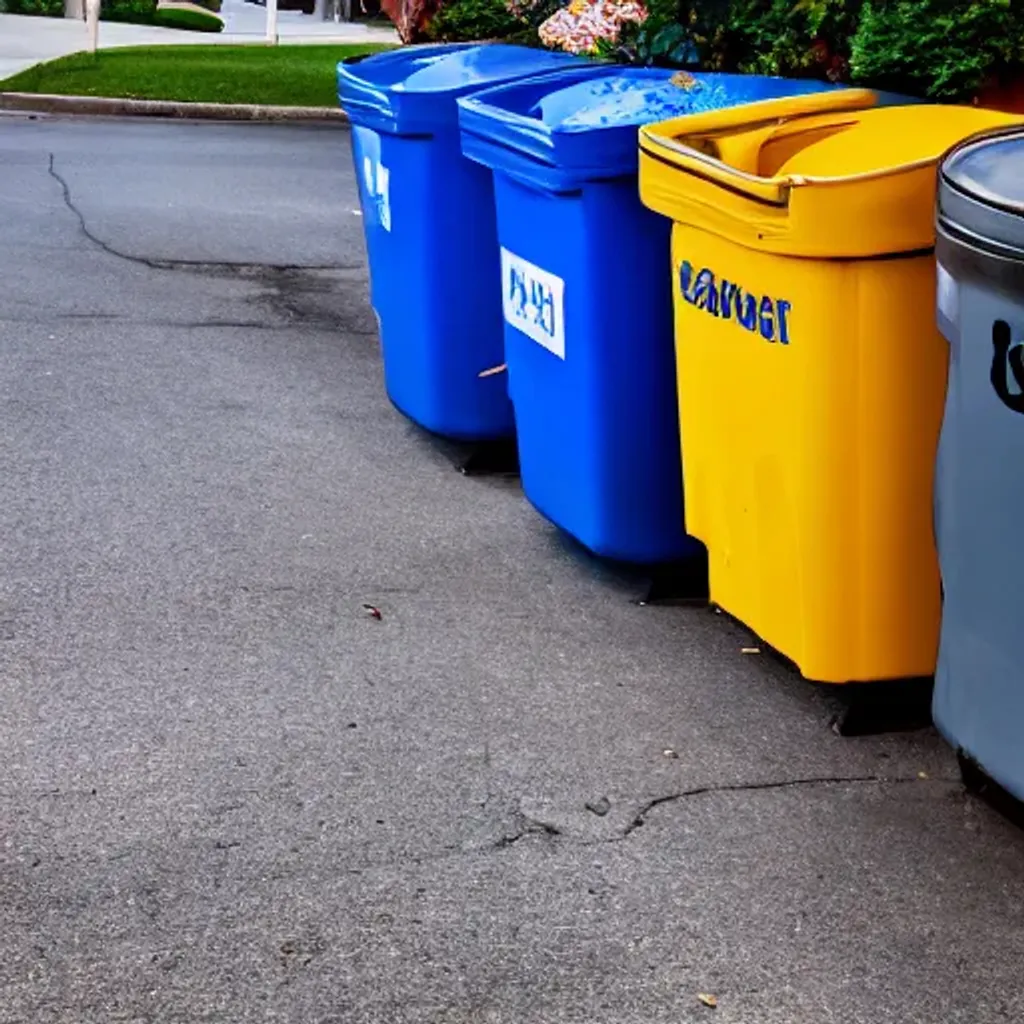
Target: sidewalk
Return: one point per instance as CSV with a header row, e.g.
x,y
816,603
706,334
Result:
x,y
244,21
25,41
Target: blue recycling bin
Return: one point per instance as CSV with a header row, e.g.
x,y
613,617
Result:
x,y
431,237
587,297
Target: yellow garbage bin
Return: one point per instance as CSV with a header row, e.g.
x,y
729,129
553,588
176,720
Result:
x,y
810,369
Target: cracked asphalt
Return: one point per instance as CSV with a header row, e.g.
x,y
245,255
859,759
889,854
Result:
x,y
227,794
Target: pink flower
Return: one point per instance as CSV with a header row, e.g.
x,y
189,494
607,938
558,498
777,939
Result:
x,y
579,27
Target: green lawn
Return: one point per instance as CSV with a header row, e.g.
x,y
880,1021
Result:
x,y
281,75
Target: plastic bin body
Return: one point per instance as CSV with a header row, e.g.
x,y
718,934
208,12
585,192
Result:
x,y
979,686
811,371
431,236
588,304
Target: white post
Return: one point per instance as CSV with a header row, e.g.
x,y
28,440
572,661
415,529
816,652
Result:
x,y
272,22
92,23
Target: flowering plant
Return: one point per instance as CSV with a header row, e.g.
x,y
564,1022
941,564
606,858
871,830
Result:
x,y
585,24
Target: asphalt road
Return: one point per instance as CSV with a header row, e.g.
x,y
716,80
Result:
x,y
229,795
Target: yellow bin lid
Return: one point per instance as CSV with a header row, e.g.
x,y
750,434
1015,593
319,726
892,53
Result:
x,y
835,177
888,139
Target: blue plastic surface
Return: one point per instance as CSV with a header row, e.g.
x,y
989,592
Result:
x,y
412,90
586,287
586,129
431,235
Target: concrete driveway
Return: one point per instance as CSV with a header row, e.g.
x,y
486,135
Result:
x,y
229,795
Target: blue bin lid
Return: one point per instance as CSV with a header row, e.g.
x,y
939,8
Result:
x,y
586,120
412,90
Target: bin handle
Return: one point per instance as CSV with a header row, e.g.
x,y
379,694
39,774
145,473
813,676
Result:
x,y
773,191
770,191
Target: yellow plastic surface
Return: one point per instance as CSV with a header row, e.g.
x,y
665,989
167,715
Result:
x,y
827,179
811,373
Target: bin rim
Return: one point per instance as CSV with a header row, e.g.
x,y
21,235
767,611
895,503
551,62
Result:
x,y
962,149
742,174
970,211
513,127
412,90
660,141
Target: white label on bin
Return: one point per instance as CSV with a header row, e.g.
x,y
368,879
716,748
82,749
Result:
x,y
947,295
377,180
533,302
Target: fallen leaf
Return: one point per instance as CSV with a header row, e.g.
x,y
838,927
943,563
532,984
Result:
x,y
708,999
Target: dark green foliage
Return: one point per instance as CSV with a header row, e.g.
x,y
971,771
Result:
x,y
469,20
943,49
44,8
145,12
938,48
473,19
194,21
797,39
775,37
139,12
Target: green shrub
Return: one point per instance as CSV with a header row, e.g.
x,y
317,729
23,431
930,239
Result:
x,y
43,8
139,12
193,21
461,20
797,38
144,12
944,49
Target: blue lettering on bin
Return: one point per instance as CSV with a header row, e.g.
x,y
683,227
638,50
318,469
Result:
x,y
532,301
730,301
543,304
517,291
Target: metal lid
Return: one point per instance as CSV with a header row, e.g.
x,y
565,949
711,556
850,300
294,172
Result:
x,y
981,192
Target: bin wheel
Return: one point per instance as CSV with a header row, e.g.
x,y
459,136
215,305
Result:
x,y
974,779
491,458
886,706
684,582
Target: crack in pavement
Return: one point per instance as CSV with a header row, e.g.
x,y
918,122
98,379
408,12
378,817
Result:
x,y
640,818
322,325
242,269
546,830
285,285
531,828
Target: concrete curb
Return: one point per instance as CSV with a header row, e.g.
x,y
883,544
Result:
x,y
42,103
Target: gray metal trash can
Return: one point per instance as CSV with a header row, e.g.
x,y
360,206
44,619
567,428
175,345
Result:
x,y
979,488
